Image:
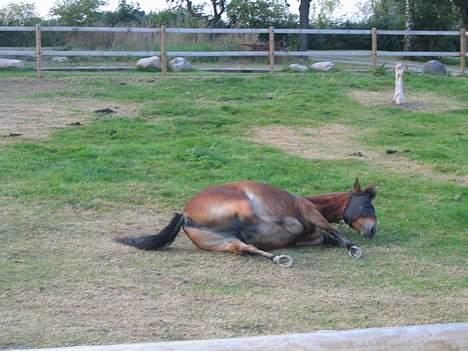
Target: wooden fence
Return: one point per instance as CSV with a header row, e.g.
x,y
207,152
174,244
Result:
x,y
374,53
440,337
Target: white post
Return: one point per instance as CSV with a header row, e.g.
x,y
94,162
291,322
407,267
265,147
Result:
x,y
399,97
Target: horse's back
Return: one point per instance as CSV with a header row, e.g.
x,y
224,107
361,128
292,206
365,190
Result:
x,y
219,204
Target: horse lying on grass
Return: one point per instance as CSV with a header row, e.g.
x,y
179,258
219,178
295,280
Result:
x,y
248,217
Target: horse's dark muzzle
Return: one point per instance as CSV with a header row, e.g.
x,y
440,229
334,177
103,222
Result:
x,y
369,230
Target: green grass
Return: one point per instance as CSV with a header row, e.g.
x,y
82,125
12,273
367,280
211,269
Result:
x,y
191,132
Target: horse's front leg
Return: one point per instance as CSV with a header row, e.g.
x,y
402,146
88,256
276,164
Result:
x,y
312,237
353,250
314,217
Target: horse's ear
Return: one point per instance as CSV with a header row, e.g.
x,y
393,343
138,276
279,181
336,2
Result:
x,y
372,191
357,186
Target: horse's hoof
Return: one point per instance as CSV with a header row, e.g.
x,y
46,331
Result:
x,y
283,261
355,251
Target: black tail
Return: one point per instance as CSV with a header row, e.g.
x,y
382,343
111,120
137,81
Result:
x,y
154,242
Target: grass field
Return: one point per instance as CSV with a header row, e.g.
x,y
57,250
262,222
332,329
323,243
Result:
x,y
75,179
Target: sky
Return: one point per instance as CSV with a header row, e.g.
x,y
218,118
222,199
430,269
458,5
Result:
x,y
347,9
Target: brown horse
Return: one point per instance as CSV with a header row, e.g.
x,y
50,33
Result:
x,y
248,217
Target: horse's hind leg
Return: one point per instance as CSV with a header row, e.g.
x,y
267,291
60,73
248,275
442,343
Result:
x,y
239,247
221,242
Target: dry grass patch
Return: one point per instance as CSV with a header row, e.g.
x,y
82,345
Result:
x,y
27,117
327,143
427,102
94,291
334,142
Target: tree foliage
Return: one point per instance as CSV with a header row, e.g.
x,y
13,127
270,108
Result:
x,y
176,17
211,17
19,14
259,14
425,15
322,11
461,7
77,12
126,13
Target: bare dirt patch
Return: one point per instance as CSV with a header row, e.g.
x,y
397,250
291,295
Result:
x,y
334,142
24,116
427,102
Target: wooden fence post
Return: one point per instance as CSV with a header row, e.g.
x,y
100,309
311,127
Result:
x,y
38,52
462,51
374,48
271,48
163,51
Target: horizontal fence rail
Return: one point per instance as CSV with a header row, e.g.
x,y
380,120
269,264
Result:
x,y
312,53
38,52
217,53
99,53
10,52
226,30
16,29
419,32
215,30
101,29
81,29
440,337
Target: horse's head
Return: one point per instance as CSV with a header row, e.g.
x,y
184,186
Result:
x,y
359,213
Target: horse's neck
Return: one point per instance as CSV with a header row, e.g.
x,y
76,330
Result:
x,y
332,205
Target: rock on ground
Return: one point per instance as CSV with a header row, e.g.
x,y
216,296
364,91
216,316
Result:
x,y
324,66
179,64
149,62
298,68
8,63
435,67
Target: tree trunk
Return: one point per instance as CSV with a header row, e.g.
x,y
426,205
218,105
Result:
x,y
409,25
189,7
217,13
464,12
304,10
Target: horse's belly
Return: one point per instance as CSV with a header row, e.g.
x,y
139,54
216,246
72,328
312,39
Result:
x,y
270,235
